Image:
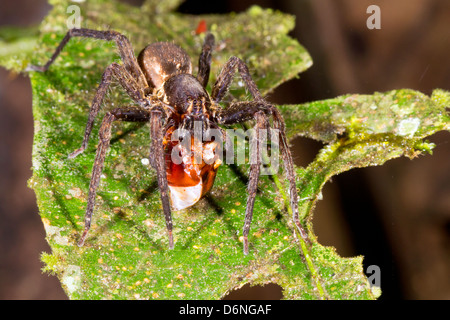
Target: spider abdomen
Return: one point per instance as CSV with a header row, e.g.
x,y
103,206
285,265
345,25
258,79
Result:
x,y
161,60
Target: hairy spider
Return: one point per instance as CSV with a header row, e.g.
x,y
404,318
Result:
x,y
169,97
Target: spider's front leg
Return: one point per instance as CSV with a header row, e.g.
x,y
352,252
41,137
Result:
x,y
259,110
255,151
289,170
133,114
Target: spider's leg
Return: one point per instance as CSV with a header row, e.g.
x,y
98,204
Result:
x,y
159,163
289,170
122,42
255,151
225,78
204,61
128,83
133,114
246,110
240,111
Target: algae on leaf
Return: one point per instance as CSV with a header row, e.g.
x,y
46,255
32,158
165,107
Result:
x,y
126,254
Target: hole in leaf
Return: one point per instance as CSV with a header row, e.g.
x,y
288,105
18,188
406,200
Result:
x,y
270,291
304,150
330,224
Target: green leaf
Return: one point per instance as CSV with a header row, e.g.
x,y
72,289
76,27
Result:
x,y
365,130
126,254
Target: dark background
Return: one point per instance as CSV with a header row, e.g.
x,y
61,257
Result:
x,y
397,215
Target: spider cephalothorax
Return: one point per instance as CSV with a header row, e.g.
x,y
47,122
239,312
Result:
x,y
176,103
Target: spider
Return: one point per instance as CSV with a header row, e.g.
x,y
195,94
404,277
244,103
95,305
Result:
x,y
169,97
